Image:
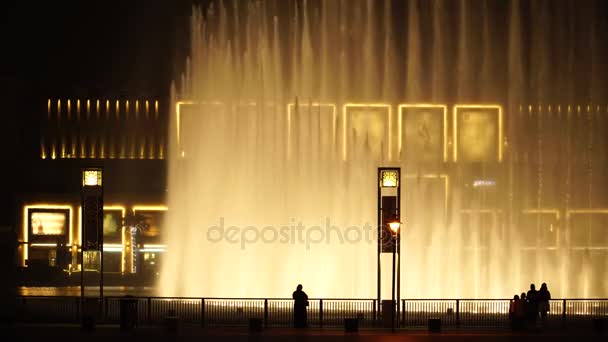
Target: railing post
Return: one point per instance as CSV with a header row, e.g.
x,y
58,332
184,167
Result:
x,y
149,307
266,313
202,312
563,313
374,313
457,312
320,313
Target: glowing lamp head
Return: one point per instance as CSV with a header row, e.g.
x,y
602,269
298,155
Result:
x,y
394,225
91,177
390,178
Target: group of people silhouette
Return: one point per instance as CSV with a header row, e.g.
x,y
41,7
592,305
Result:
x,y
525,310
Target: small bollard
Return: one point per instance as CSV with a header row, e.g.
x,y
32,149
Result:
x,y
434,325
351,325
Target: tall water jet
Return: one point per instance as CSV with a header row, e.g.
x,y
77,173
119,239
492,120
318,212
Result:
x,y
286,109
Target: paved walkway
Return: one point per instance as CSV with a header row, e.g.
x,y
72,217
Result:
x,y
191,333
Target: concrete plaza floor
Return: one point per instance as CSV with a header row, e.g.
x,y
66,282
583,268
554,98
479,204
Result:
x,y
42,332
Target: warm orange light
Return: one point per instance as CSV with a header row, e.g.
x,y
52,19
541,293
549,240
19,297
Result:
x,y
394,225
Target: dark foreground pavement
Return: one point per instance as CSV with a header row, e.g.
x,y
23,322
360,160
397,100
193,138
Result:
x,y
188,333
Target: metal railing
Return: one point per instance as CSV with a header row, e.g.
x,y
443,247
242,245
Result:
x,y
278,312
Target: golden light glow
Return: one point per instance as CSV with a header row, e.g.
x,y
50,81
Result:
x,y
117,105
156,109
78,109
136,108
291,107
69,109
43,245
446,186
479,106
42,149
91,177
58,109
25,231
178,106
147,108
424,105
137,208
48,108
586,211
53,154
554,212
390,178
88,108
97,108
345,108
394,226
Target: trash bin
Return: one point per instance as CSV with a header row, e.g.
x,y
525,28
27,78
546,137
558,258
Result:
x,y
388,310
351,324
128,313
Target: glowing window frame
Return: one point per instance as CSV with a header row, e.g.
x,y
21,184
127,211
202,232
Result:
x,y
290,108
544,211
477,106
25,232
569,213
401,110
111,246
345,108
137,208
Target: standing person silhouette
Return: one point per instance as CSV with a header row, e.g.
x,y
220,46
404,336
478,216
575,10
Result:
x,y
532,297
543,302
300,302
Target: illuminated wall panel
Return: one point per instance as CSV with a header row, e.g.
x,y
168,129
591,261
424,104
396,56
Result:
x,y
311,124
478,133
367,129
423,132
539,228
588,228
101,129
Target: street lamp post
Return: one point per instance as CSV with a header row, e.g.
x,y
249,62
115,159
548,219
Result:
x,y
394,225
92,223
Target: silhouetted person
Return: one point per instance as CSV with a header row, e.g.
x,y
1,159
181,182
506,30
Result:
x,y
300,302
543,301
532,297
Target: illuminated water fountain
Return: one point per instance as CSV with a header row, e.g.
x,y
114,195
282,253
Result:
x,y
282,116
